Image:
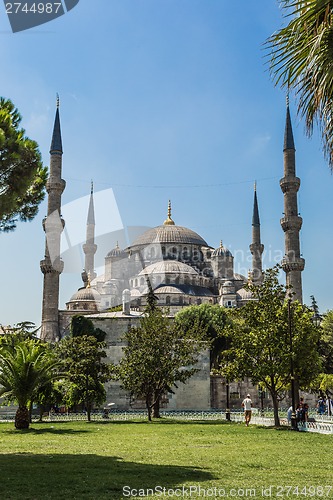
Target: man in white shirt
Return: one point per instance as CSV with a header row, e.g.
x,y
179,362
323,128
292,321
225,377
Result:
x,y
247,405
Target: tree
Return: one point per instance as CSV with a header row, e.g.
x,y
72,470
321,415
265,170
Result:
x,y
82,358
301,57
81,325
211,319
19,332
22,175
260,346
326,342
157,356
25,368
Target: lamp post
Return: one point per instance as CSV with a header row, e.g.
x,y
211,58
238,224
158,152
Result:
x,y
292,375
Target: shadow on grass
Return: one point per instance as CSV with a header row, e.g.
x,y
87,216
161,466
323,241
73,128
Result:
x,y
88,476
45,430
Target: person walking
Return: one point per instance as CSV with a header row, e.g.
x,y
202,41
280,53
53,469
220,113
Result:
x,y
247,405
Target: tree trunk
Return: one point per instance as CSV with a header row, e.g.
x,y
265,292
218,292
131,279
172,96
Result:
x,y
41,411
156,406
276,410
148,405
89,412
30,411
22,418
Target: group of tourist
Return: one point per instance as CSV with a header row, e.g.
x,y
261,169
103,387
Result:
x,y
301,410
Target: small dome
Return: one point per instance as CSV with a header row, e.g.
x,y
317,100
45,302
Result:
x,y
117,252
243,294
168,266
221,252
85,295
228,283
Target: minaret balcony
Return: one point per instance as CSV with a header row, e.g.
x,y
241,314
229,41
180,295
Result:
x,y
256,248
291,223
47,267
55,184
293,264
53,224
290,184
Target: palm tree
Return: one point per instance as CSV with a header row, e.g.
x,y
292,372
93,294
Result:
x,y
25,368
301,58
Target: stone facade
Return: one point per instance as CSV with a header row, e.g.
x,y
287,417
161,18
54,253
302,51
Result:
x,y
194,394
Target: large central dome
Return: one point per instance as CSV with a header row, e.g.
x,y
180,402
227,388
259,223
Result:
x,y
169,234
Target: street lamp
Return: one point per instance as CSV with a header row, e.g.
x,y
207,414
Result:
x,y
292,375
316,319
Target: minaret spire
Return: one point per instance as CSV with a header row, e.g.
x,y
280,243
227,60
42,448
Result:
x,y
90,247
292,263
256,247
53,224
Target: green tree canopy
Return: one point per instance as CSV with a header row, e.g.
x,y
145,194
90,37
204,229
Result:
x,y
82,358
80,325
326,342
260,344
157,356
25,369
22,175
301,57
211,319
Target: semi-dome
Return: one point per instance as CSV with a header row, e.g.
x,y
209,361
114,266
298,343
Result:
x,y
168,266
169,290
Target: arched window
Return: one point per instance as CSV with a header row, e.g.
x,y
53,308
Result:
x,y
142,281
167,300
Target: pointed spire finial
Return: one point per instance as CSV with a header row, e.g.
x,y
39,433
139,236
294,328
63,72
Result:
x,y
92,187
58,101
287,99
221,244
169,221
288,132
56,144
255,215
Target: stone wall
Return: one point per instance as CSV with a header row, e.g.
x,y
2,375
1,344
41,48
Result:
x,y
194,394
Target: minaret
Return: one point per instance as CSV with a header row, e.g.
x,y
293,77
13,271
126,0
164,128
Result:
x,y
256,247
52,266
89,247
291,223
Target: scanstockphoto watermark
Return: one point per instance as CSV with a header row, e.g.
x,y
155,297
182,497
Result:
x,y
275,491
188,492
29,14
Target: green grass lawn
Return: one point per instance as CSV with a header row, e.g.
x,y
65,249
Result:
x,y
77,460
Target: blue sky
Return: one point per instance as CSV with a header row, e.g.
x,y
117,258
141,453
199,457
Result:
x,y
162,99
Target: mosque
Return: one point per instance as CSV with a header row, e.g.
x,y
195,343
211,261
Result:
x,y
175,261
